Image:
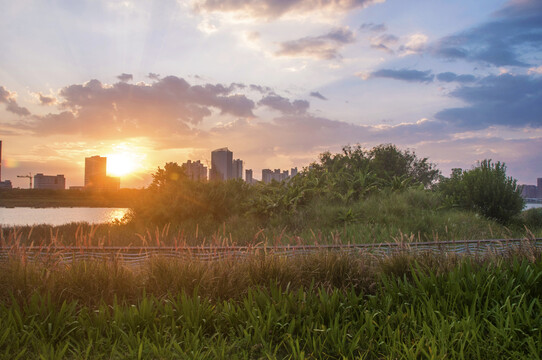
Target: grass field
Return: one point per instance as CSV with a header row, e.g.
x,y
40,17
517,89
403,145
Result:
x,y
322,306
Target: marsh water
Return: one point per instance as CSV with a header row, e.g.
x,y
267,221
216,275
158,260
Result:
x,y
22,216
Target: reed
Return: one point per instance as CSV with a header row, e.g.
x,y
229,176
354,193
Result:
x,y
321,306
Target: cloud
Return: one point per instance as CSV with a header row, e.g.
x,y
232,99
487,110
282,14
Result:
x,y
284,105
153,76
405,75
8,98
317,95
508,100
373,27
415,44
450,77
383,42
513,32
271,9
260,89
535,70
125,77
320,47
167,106
46,100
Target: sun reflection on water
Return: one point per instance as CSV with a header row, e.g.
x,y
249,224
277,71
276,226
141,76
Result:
x,y
117,215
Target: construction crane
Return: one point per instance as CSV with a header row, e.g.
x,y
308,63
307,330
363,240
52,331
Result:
x,y
29,176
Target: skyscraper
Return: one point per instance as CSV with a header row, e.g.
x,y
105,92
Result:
x,y
221,164
237,169
96,174
248,176
95,170
195,170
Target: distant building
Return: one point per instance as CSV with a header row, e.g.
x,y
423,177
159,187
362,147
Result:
x,y
277,175
539,188
237,169
195,170
529,191
96,175
267,176
6,184
112,183
221,165
51,182
248,176
95,171
293,172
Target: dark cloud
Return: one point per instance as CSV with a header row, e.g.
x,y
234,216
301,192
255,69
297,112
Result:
x,y
8,98
405,75
170,105
320,47
125,77
260,89
153,76
451,77
284,105
509,100
46,100
270,9
317,95
373,27
514,31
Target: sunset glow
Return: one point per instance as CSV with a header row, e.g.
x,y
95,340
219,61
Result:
x,y
121,164
276,82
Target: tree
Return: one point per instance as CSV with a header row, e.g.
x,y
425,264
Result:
x,y
172,173
485,189
388,162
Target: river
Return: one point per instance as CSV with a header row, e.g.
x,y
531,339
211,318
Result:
x,y
21,216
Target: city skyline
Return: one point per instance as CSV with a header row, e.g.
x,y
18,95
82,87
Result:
x,y
144,83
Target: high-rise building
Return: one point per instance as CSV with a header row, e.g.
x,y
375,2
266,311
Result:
x,y
267,176
221,165
277,175
96,174
237,169
293,172
50,182
539,188
248,176
95,171
195,170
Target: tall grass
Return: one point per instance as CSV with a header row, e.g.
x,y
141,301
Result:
x,y
323,306
381,217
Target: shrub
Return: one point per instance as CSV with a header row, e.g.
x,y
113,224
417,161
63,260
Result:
x,y
485,189
532,218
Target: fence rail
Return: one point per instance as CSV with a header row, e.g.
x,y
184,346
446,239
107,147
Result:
x,y
139,254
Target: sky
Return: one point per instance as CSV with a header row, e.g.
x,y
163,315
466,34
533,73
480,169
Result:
x,y
276,81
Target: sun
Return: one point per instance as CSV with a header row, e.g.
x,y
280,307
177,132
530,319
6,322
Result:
x,y
121,164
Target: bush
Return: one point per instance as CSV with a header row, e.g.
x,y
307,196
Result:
x,y
485,189
532,218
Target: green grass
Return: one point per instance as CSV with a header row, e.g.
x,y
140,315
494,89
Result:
x,y
323,306
383,217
